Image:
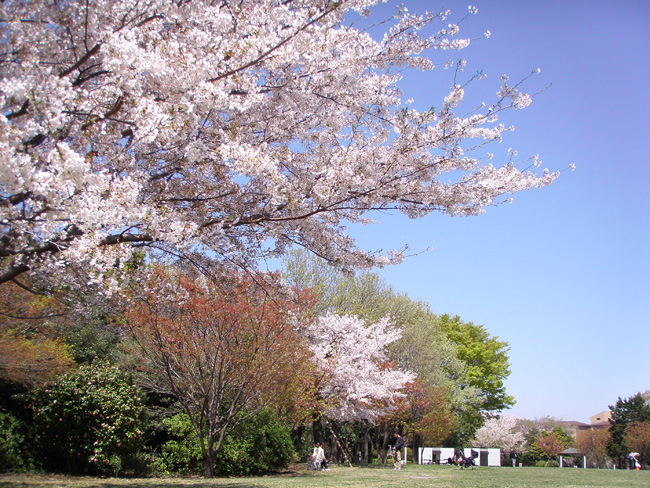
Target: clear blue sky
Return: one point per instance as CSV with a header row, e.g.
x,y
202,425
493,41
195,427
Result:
x,y
563,273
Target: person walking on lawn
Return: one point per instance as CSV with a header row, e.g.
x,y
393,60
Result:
x,y
397,455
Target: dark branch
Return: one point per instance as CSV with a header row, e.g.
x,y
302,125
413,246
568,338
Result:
x,y
274,48
22,111
27,288
83,59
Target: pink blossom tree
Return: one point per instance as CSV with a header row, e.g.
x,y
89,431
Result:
x,y
502,432
354,380
228,131
350,356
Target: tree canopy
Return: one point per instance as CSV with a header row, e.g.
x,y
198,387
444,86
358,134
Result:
x,y
625,412
228,131
486,358
458,361
148,149
221,349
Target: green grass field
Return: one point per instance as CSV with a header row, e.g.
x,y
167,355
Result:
x,y
409,477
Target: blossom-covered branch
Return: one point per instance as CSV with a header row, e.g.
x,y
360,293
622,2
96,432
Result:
x,y
225,130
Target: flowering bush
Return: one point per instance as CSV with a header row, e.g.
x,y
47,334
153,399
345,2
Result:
x,y
88,421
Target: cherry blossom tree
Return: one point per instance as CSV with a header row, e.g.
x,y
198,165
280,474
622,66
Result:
x,y
502,432
229,131
354,378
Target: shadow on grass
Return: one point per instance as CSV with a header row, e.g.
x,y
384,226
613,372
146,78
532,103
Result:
x,y
32,481
58,480
176,483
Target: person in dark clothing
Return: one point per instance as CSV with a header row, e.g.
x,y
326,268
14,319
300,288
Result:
x,y
513,456
397,454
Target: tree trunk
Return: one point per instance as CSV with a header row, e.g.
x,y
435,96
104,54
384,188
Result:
x,y
346,457
208,461
299,444
384,446
319,432
367,445
417,440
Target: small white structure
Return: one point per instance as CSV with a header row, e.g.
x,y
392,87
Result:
x,y
573,453
440,455
435,455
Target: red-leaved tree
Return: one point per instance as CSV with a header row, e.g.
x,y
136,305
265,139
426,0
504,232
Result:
x,y
424,412
223,349
593,443
550,444
637,439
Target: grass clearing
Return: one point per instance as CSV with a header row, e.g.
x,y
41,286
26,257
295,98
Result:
x,y
412,476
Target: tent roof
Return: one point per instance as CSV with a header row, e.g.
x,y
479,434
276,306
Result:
x,y
570,452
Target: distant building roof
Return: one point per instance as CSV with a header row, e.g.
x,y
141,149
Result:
x,y
574,423
601,418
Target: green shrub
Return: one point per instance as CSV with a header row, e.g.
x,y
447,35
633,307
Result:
x,y
88,421
260,443
182,453
544,464
13,455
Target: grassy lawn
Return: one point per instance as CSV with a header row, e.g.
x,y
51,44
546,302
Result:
x,y
409,477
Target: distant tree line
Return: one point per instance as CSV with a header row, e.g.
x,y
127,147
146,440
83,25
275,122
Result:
x,y
539,442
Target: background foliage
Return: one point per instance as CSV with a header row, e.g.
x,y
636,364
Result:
x,y
259,444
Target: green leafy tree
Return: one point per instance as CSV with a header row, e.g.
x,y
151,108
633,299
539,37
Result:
x,y
487,361
487,366
88,421
624,413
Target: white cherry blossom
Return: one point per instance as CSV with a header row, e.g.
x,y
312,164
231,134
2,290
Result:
x,y
350,354
227,131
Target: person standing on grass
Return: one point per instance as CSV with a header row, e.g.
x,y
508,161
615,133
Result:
x,y
513,456
397,455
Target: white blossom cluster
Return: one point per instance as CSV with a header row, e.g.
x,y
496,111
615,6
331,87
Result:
x,y
227,130
349,354
500,432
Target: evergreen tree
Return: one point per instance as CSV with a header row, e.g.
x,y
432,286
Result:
x,y
625,412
